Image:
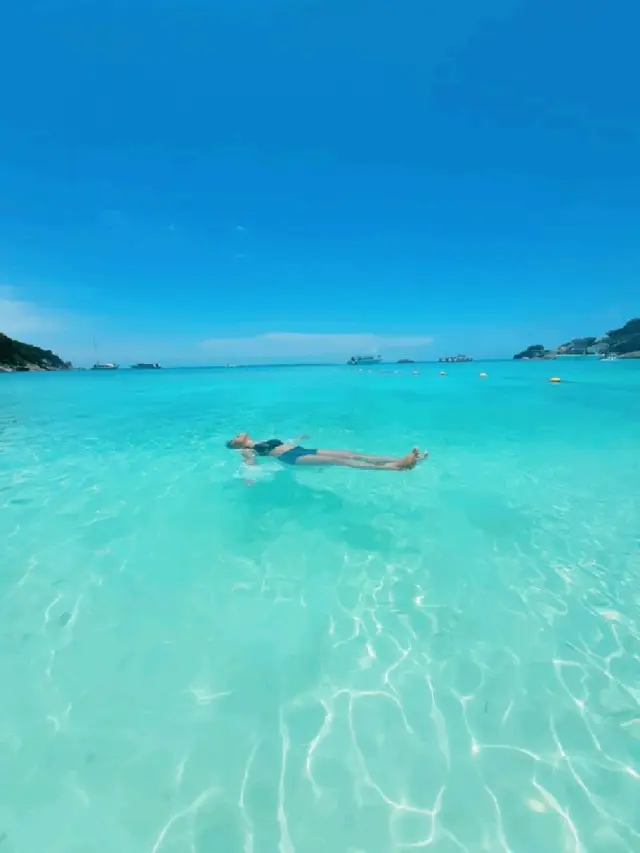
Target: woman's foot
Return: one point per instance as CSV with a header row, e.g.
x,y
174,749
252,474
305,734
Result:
x,y
411,460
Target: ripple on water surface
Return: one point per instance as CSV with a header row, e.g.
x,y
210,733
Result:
x,y
333,660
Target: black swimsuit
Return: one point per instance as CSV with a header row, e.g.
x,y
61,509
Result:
x,y
289,457
264,448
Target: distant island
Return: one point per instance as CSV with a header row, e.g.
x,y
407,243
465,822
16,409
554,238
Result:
x,y
16,356
618,343
454,358
535,352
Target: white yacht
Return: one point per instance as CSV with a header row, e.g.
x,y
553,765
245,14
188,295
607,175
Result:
x,y
102,365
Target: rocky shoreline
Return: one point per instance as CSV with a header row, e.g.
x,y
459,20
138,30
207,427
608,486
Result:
x,y
31,368
621,343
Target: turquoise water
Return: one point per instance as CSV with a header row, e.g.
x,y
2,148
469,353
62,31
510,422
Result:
x,y
331,661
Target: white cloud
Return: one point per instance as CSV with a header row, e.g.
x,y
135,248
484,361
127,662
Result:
x,y
299,345
19,318
70,335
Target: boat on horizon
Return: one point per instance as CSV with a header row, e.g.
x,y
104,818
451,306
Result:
x,y
146,366
454,358
365,359
102,365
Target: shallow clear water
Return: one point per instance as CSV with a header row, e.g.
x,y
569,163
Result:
x,y
331,661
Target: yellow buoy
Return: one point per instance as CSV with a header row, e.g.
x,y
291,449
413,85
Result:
x,y
442,373
483,376
555,379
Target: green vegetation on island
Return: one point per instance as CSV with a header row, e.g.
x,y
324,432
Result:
x,y
578,346
18,356
622,343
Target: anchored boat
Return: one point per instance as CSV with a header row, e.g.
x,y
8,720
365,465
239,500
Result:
x,y
365,359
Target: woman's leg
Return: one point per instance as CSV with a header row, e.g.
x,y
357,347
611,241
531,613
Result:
x,y
352,454
396,464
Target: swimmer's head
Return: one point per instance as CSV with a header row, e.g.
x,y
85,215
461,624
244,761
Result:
x,y
240,441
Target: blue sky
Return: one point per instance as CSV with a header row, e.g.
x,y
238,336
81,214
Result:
x,y
196,182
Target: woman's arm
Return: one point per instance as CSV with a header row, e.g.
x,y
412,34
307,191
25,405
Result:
x,y
249,458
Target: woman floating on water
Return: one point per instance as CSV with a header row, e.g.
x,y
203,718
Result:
x,y
293,454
